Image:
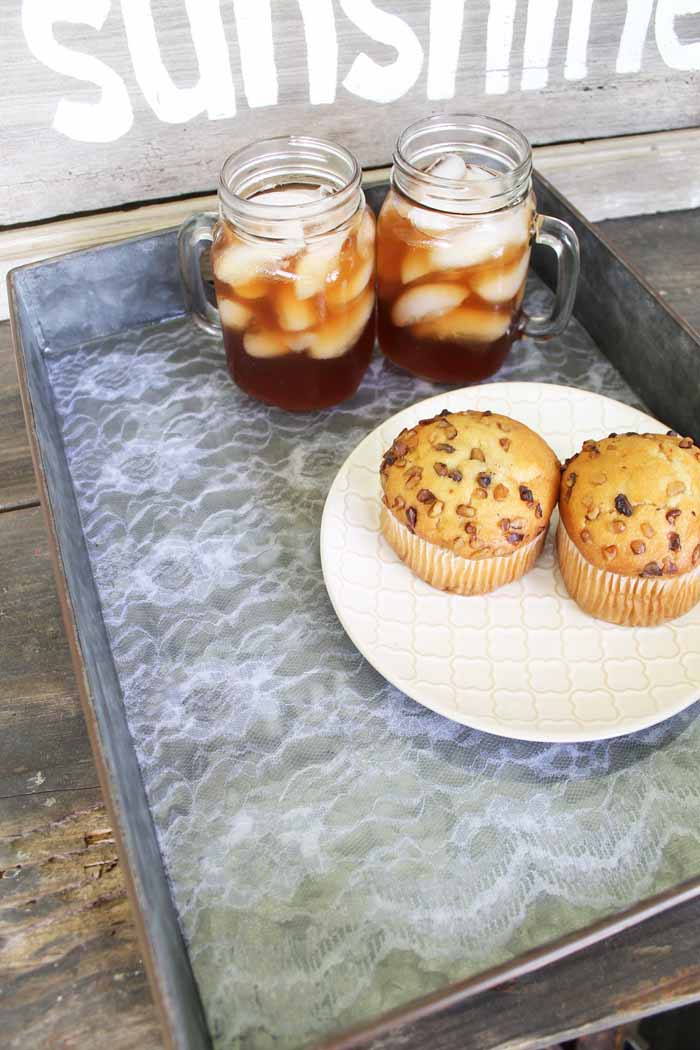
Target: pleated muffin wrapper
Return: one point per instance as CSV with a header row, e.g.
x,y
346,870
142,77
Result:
x,y
450,572
632,601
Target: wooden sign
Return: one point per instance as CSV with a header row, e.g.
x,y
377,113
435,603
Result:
x,y
110,101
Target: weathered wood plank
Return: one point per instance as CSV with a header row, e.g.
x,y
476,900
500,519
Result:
x,y
72,973
634,175
71,969
141,101
43,745
17,483
603,178
21,812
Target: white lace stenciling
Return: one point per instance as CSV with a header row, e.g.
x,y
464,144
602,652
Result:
x,y
335,850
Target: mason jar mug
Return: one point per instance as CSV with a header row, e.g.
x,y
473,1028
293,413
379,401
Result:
x,y
292,255
453,249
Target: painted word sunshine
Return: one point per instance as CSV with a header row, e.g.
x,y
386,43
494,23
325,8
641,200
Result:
x,y
328,32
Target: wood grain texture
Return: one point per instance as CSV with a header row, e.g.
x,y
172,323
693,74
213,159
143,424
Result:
x,y
41,724
70,970
17,484
607,88
634,175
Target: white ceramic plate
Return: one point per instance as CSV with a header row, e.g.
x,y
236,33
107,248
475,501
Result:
x,y
523,662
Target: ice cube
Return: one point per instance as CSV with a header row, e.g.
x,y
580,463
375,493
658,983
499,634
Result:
x,y
480,240
416,263
342,331
498,286
265,343
299,342
233,314
366,233
344,290
469,324
430,221
316,264
294,314
451,166
254,289
242,262
426,300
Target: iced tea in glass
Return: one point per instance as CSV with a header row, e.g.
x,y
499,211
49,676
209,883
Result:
x,y
453,249
293,259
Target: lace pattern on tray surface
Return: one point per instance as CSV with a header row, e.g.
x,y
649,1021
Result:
x,y
335,850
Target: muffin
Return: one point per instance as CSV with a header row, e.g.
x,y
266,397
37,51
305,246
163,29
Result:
x,y
467,499
629,535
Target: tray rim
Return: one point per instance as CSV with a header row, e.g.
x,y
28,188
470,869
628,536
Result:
x,y
175,992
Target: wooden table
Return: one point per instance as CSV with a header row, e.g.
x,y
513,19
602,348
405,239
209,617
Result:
x,y
70,971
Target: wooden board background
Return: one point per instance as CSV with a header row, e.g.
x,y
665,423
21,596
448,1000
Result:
x,y
106,102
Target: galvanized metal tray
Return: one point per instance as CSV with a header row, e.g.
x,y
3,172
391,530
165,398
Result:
x,y
310,856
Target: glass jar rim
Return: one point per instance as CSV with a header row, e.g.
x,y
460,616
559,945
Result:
x,y
459,133
270,162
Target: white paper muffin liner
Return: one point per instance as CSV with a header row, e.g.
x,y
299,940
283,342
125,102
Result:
x,y
633,601
449,572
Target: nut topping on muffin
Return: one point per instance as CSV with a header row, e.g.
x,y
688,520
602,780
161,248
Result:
x,y
496,493
637,485
644,489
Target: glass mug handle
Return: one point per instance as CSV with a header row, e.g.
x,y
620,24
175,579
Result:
x,y
561,238
193,237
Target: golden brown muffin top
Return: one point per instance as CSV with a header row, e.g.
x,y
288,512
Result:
x,y
476,483
631,503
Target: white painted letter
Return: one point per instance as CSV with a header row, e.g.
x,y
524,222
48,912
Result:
x,y
367,79
214,91
446,18
634,33
499,40
579,31
257,50
538,43
676,54
321,50
102,121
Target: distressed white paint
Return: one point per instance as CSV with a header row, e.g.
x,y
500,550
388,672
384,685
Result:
x,y
213,94
539,33
112,116
489,55
634,34
257,51
676,53
499,41
577,47
446,24
368,79
321,49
